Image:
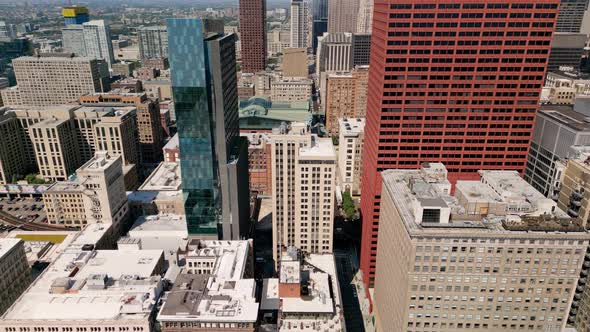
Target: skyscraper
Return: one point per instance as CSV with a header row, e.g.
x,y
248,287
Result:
x,y
571,14
364,22
462,87
342,15
213,157
72,39
97,40
153,42
253,35
75,15
320,21
299,24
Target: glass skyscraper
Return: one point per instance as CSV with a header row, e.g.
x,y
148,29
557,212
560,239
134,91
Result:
x,y
212,157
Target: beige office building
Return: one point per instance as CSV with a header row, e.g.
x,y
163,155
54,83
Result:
x,y
15,273
303,190
496,256
96,195
291,90
342,15
277,41
54,80
350,154
117,134
55,148
158,88
346,97
295,62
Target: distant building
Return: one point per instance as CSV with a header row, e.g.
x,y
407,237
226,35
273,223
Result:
x,y
7,32
361,49
320,21
291,90
277,41
566,51
571,15
364,23
75,15
493,238
300,24
14,271
346,97
66,79
350,154
153,42
342,15
97,40
253,35
72,38
124,68
295,62
158,88
303,190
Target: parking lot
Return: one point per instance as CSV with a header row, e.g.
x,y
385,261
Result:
x,y
28,209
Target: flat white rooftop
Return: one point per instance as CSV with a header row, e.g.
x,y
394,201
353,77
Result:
x,y
165,177
164,231
202,298
320,148
82,285
172,143
351,126
230,257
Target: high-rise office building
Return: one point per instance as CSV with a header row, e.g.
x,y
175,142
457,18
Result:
x,y
75,15
65,79
213,158
364,23
253,35
342,15
303,191
567,50
571,15
350,154
72,39
153,42
463,90
361,49
300,34
495,256
320,21
97,40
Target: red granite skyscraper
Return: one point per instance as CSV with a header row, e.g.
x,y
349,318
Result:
x,y
452,81
253,35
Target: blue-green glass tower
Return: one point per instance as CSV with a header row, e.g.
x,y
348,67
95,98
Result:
x,y
212,154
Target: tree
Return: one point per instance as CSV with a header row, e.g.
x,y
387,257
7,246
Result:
x,y
348,206
33,179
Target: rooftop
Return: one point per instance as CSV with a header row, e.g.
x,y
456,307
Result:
x,y
230,257
164,231
319,148
91,285
565,115
502,203
205,298
172,143
351,126
165,177
101,161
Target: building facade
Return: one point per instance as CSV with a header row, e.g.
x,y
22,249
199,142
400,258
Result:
x,y
320,21
65,79
75,15
15,271
350,154
253,35
72,39
571,15
364,22
295,62
97,40
153,42
477,112
303,191
291,90
300,16
342,15
475,261
346,97
566,51
212,155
